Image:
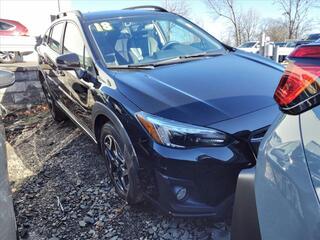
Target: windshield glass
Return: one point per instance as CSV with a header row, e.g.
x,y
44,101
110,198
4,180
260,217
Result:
x,y
149,39
247,45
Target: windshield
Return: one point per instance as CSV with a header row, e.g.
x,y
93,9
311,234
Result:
x,y
247,45
149,39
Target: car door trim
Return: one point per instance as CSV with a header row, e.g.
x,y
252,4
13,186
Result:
x,y
74,119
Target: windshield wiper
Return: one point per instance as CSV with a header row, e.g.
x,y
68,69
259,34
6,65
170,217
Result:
x,y
201,54
174,60
132,66
186,58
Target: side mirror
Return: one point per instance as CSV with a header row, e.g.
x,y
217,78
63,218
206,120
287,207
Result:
x,y
69,61
6,78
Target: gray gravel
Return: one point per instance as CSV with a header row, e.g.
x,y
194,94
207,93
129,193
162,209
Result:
x,y
68,196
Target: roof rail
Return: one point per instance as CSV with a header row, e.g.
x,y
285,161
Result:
x,y
155,8
63,14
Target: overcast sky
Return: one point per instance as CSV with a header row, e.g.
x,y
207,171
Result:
x,y
199,11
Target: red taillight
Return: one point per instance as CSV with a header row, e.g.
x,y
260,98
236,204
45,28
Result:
x,y
306,51
299,87
296,79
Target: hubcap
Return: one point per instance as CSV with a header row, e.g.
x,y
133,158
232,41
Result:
x,y
7,56
116,163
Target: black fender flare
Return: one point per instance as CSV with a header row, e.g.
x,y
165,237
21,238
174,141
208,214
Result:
x,y
101,109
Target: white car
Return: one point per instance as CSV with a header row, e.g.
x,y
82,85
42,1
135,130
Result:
x,y
284,51
253,46
12,46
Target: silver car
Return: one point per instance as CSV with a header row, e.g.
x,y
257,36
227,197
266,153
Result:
x,y
279,200
7,217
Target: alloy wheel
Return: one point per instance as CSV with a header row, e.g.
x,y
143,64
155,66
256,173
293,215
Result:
x,y
116,164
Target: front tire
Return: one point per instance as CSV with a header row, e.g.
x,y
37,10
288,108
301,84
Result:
x,y
120,167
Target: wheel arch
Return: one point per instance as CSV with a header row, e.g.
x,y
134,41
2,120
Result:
x,y
101,114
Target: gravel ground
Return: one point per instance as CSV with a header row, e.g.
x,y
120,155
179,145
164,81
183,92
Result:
x,y
61,191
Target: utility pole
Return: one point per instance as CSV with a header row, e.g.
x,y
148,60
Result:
x,y
59,6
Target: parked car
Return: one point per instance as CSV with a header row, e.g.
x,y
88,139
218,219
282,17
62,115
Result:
x,y
280,44
285,48
288,168
176,113
11,30
303,42
309,39
283,203
252,47
313,37
7,217
291,44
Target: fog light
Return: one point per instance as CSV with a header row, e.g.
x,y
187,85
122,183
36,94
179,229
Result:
x,y
181,193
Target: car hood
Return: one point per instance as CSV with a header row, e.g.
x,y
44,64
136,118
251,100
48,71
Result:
x,y
203,91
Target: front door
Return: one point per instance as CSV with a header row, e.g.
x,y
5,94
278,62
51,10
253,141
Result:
x,y
80,82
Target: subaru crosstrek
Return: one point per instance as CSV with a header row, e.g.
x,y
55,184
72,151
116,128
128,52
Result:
x,y
177,114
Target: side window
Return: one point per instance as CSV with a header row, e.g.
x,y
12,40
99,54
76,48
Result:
x,y
55,37
73,43
5,26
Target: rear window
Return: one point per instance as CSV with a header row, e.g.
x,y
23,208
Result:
x,y
55,37
5,26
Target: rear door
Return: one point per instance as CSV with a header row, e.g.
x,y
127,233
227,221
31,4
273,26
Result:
x,y
51,49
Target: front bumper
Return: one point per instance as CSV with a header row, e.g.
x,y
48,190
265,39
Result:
x,y
206,177
245,205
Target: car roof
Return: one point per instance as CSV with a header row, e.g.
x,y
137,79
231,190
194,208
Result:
x,y
9,21
91,16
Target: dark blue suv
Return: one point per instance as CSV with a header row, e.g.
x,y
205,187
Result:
x,y
177,114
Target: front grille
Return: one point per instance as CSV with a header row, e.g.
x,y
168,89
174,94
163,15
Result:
x,y
256,138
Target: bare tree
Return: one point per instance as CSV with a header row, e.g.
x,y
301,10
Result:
x,y
275,29
228,10
244,23
296,16
249,25
180,7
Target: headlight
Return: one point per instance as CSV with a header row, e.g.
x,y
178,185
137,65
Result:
x,y
180,135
